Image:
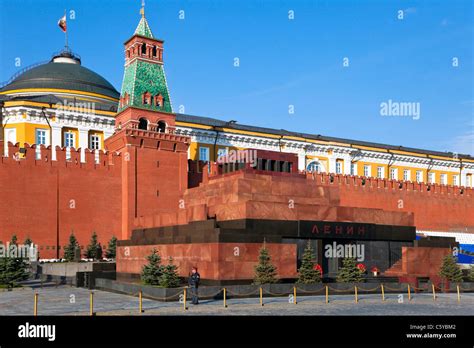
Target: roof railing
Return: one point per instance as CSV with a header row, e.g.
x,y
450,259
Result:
x,y
66,52
19,72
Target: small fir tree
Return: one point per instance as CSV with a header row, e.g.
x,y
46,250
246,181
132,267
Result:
x,y
450,269
349,272
307,274
13,269
265,271
111,248
151,273
169,277
14,240
70,249
91,249
28,241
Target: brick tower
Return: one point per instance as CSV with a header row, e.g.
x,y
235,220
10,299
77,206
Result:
x,y
154,170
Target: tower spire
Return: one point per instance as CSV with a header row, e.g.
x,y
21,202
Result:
x,y
143,28
142,10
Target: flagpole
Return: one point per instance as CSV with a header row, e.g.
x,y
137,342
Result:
x,y
67,48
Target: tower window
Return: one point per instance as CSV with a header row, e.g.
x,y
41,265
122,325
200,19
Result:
x,y
144,49
154,51
143,123
161,127
146,98
159,100
124,100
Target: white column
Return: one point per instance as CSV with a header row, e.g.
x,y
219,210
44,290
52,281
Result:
x,y
301,161
332,165
83,142
462,179
57,139
347,165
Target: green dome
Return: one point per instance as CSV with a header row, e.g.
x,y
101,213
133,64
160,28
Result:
x,y
64,71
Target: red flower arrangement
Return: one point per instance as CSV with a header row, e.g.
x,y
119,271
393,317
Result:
x,y
318,267
361,267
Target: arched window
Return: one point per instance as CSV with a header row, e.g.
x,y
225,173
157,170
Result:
x,y
313,167
154,51
143,123
144,48
161,127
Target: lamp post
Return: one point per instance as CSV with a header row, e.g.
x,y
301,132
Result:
x,y
229,123
2,130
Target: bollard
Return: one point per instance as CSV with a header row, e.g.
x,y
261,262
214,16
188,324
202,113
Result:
x,y
355,292
140,302
434,293
383,293
459,296
225,301
35,308
91,304
294,293
327,294
184,300
409,293
261,297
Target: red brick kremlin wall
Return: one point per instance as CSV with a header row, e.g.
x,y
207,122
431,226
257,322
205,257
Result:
x,y
441,208
89,197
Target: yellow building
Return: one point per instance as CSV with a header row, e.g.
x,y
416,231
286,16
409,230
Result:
x,y
65,104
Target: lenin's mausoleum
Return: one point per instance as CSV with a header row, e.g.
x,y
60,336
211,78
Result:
x,y
79,157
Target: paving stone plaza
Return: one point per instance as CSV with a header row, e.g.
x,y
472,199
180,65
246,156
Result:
x,y
66,300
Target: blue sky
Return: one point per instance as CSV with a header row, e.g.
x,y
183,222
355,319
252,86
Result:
x,y
283,62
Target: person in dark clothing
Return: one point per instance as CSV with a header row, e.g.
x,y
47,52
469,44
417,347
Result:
x,y
193,282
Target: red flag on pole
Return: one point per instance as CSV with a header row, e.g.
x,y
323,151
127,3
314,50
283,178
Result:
x,y
62,23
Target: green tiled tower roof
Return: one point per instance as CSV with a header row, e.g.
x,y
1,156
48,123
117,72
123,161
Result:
x,y
143,29
142,76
